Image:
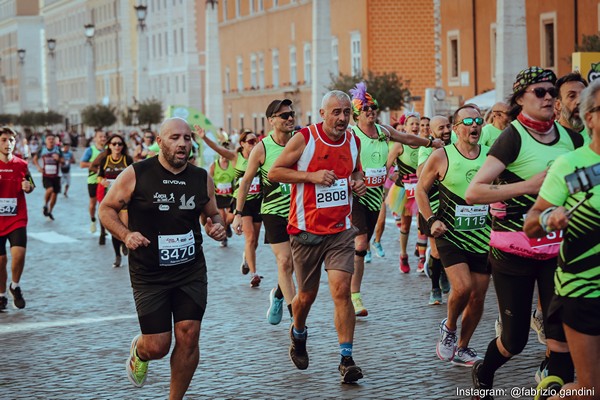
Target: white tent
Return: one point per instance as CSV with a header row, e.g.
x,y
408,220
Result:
x,y
484,100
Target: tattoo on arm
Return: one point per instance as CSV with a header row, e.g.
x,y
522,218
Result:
x,y
494,187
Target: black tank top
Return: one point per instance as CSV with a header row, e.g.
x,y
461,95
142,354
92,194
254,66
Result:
x,y
166,209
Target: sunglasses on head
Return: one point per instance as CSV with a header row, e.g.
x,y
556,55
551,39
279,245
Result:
x,y
540,92
116,143
373,107
469,121
250,141
286,115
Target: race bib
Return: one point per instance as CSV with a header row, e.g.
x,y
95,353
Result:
x,y
375,177
224,189
255,186
50,169
470,218
285,188
176,249
410,190
550,239
332,196
8,207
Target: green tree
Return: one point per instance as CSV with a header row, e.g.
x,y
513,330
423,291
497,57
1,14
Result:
x,y
7,119
589,43
30,119
150,112
388,89
99,116
52,118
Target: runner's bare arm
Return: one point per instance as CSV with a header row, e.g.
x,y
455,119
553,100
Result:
x,y
118,197
228,154
282,171
214,226
556,220
410,139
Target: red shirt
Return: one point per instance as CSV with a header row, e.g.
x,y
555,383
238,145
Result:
x,y
324,210
13,208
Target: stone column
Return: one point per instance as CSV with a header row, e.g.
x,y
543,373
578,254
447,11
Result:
x,y
511,45
213,96
321,54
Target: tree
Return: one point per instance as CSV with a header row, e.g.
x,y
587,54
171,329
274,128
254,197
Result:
x,y
589,43
150,112
388,89
52,118
7,119
99,116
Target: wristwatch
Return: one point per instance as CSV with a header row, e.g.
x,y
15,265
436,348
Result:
x,y
237,212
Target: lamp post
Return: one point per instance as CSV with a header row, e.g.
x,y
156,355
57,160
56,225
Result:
x,y
22,81
142,48
52,92
90,30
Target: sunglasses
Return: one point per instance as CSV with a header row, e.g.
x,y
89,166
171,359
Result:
x,y
540,92
250,141
286,115
373,107
116,143
469,121
149,137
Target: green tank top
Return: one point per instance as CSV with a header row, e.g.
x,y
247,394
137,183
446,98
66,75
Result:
x,y
534,157
373,157
241,165
578,272
407,163
489,134
468,225
276,196
433,194
93,176
223,179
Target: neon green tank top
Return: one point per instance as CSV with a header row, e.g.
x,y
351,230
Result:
x,y
276,196
407,163
93,176
468,226
224,179
241,165
373,157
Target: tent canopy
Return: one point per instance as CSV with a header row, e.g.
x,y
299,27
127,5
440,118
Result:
x,y
484,100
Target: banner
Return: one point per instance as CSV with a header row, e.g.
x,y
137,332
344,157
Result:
x,y
588,64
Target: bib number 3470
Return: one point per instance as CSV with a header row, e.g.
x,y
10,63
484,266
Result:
x,y
176,249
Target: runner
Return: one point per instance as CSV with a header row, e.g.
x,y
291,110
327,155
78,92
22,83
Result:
x,y
500,120
87,158
51,156
441,128
518,161
65,168
165,197
576,301
223,174
275,205
322,163
251,219
15,181
110,164
461,233
374,139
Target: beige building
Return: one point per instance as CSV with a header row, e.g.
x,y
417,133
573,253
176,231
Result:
x,y
20,71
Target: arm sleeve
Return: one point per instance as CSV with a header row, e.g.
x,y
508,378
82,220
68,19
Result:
x,y
87,154
507,147
554,189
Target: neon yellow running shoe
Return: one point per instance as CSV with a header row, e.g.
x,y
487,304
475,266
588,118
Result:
x,y
137,369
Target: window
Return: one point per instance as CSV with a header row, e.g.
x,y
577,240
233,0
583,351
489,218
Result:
x,y
493,51
227,80
181,39
275,61
159,40
224,10
307,64
335,57
453,58
293,66
251,6
166,45
174,41
261,71
153,46
253,71
548,40
238,8
355,54
240,74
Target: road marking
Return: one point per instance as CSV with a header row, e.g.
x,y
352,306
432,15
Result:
x,y
29,326
51,237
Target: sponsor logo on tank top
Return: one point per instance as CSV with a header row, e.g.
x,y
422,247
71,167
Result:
x,y
187,205
173,182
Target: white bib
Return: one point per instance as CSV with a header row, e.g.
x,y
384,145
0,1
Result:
x,y
8,207
375,177
332,196
176,249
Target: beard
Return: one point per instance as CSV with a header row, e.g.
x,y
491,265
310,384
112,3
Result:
x,y
173,160
574,121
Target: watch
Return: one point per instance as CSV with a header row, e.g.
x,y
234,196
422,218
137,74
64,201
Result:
x,y
237,212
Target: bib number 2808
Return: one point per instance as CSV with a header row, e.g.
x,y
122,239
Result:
x,y
332,196
176,249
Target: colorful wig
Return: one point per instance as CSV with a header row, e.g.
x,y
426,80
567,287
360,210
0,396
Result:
x,y
361,98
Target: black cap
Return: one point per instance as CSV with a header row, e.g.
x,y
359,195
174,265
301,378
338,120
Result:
x,y
276,105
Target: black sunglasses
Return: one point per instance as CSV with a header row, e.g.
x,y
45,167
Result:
x,y
540,92
286,115
373,107
250,141
149,137
469,121
117,143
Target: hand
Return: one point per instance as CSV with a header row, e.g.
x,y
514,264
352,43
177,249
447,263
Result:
x,y
215,231
323,177
104,182
26,186
358,187
133,240
236,225
437,143
394,176
199,131
55,156
40,170
535,182
558,219
438,228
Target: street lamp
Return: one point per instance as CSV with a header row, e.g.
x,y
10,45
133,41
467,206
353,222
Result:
x,y
142,56
52,92
22,80
90,30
